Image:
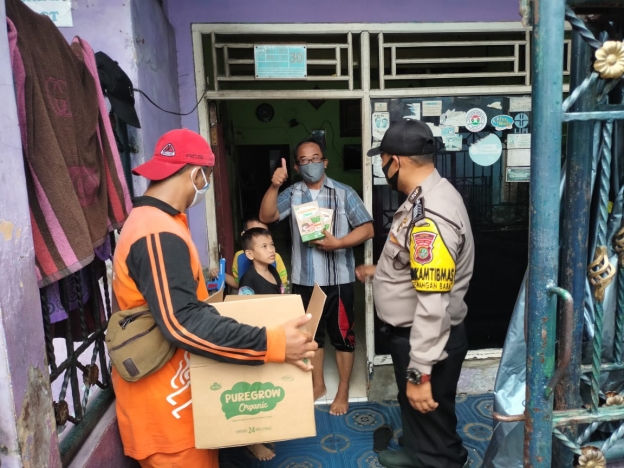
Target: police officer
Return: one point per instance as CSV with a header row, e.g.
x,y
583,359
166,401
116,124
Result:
x,y
419,284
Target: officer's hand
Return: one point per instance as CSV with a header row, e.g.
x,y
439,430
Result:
x,y
299,345
214,273
364,271
328,243
280,175
420,397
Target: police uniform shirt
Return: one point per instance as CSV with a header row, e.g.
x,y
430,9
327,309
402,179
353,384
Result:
x,y
398,303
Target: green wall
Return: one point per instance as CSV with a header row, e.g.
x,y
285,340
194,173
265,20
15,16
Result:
x,y
246,129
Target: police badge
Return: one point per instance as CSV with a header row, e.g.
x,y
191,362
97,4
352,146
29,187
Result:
x,y
432,266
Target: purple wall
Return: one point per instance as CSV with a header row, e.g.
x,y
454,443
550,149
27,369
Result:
x,y
139,37
182,13
26,417
155,54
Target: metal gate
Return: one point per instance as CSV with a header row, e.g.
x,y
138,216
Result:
x,y
569,421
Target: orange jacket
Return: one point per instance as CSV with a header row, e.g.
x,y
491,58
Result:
x,y
157,263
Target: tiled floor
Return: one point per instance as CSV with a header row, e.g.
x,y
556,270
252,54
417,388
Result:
x,y
357,388
347,441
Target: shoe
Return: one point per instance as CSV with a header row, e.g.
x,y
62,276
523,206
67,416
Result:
x,y
397,459
382,437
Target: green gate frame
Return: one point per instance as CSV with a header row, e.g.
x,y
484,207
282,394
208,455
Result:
x,y
553,401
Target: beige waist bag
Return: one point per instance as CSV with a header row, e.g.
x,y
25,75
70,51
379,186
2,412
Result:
x,y
135,344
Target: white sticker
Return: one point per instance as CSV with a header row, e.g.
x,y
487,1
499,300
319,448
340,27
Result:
x,y
518,157
437,131
381,107
380,123
476,120
453,118
453,143
496,105
414,108
59,11
431,108
520,104
518,140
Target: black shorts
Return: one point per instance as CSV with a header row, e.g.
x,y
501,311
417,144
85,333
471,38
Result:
x,y
338,315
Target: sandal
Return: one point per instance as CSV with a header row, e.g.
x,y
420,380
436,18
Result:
x,y
382,437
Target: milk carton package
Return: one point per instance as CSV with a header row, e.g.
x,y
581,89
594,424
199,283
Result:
x,y
310,221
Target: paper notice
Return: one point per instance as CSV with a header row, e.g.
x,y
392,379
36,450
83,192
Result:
x,y
518,140
496,105
381,107
380,123
518,157
453,118
414,108
376,162
520,104
431,108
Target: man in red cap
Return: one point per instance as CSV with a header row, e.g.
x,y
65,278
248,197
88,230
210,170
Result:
x,y
156,263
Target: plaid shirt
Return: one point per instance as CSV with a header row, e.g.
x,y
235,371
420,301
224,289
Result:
x,y
349,213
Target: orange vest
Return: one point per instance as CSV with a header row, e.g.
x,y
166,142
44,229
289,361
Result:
x,y
155,413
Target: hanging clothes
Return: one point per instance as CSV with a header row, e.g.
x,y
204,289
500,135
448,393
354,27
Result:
x,y
76,189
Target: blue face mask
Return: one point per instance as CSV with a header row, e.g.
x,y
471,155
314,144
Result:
x,y
312,172
199,193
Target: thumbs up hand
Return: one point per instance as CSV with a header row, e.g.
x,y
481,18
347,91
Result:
x,y
280,175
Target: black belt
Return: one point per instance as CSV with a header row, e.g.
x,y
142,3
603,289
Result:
x,y
457,337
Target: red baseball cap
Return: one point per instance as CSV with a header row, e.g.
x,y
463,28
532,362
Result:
x,y
174,150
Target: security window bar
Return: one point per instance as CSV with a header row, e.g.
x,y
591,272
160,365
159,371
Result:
x,y
233,60
454,56
76,353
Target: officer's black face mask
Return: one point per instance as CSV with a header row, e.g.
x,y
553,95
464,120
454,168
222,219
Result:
x,y
393,181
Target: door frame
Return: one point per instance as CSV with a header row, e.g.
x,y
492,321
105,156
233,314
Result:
x,y
365,94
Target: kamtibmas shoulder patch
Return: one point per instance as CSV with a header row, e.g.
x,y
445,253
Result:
x,y
432,266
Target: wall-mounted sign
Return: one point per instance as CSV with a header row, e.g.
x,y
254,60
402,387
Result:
x,y
515,140
280,62
519,157
59,11
518,174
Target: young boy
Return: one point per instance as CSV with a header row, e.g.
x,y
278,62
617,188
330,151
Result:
x,y
241,263
262,277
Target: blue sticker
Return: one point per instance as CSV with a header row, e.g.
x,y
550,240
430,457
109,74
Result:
x,y
486,151
521,120
447,131
502,122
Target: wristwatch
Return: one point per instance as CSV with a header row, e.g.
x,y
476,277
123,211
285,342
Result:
x,y
416,377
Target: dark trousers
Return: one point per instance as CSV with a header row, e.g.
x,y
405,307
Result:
x,y
433,436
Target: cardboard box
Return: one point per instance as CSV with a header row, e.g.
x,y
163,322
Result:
x,y
327,216
309,220
235,405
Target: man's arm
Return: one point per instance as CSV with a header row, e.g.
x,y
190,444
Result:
x,y
430,332
160,265
269,212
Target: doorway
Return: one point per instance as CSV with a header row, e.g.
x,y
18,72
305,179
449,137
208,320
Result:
x,y
258,134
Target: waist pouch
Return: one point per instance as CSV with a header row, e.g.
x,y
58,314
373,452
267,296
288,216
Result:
x,y
135,344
